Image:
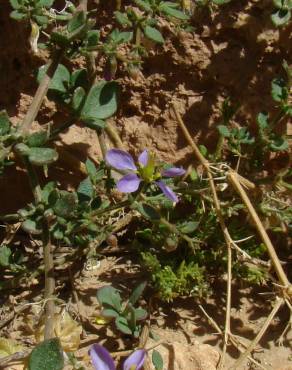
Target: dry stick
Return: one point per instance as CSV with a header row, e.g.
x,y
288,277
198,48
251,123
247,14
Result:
x,y
258,224
17,356
114,135
41,92
233,340
260,334
227,237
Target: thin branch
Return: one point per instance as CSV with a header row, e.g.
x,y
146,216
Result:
x,y
49,282
114,135
236,343
48,256
261,230
227,237
41,92
260,334
17,356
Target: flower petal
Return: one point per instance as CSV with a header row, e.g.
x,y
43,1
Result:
x,y
135,360
167,191
101,358
120,160
129,183
143,158
173,172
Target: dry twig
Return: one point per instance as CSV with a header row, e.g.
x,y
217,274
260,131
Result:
x,y
260,334
232,176
227,237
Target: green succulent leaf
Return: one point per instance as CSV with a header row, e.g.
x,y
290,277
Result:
x,y
47,190
18,15
147,211
46,3
281,17
263,120
109,312
79,78
41,20
109,297
78,98
90,168
189,227
279,90
42,156
140,314
60,39
101,101
85,190
168,9
5,254
137,292
122,324
31,227
122,19
157,360
4,123
77,22
60,80
144,5
220,2
224,130
92,38
48,355
16,4
279,144
118,37
66,205
153,34
37,139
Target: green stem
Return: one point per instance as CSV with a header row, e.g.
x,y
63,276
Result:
x,y
138,35
219,147
118,4
48,256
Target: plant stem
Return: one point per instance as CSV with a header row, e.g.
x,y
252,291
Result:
x,y
48,256
41,92
118,4
49,282
219,147
260,334
138,35
114,136
102,143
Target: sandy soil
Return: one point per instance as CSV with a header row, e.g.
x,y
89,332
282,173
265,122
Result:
x,y
233,53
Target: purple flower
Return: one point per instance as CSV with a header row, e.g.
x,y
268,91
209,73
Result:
x,y
145,170
102,360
